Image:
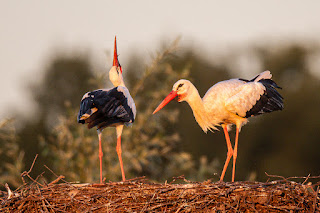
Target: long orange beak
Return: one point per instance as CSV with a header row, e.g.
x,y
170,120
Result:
x,y
169,98
115,55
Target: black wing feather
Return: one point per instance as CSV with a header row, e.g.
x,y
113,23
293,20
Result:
x,y
112,107
270,101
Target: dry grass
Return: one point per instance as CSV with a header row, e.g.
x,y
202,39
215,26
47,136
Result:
x,y
141,195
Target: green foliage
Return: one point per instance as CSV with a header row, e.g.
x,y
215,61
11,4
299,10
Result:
x,y
11,157
65,80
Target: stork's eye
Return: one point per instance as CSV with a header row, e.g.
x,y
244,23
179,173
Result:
x,y
180,85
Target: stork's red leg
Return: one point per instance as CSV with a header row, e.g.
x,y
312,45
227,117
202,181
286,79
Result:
x,y
235,154
100,155
119,152
118,148
229,154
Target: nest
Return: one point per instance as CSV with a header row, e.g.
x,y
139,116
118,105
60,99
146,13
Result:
x,y
142,195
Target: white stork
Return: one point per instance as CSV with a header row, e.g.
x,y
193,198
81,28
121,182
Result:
x,y
109,107
228,102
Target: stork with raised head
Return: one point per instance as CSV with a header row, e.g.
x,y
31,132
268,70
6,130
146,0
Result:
x,y
228,102
109,107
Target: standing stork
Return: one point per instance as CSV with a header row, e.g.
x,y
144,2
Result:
x,y
228,102
109,107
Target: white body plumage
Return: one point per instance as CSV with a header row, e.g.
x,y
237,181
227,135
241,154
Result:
x,y
228,102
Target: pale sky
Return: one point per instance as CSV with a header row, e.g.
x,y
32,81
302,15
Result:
x,y
31,31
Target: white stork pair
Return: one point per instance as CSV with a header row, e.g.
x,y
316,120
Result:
x,y
225,103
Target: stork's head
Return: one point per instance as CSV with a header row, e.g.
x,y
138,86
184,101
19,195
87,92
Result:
x,y
181,89
115,73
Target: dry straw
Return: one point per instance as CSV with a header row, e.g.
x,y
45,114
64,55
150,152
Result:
x,y
141,195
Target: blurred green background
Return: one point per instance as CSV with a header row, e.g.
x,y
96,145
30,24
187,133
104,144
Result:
x,y
169,143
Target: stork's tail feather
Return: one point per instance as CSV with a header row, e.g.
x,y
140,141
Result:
x,y
271,100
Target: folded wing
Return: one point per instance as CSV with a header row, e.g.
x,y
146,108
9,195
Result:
x,y
255,97
103,108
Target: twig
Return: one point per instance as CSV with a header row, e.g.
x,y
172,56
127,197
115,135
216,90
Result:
x,y
276,176
26,173
136,179
34,160
306,179
36,180
56,180
315,200
60,177
10,193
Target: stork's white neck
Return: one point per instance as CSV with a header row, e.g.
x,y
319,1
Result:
x,y
118,82
121,83
116,77
195,102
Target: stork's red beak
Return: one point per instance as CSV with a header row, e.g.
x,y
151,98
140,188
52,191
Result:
x,y
169,98
115,55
